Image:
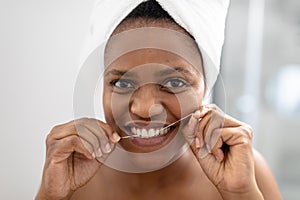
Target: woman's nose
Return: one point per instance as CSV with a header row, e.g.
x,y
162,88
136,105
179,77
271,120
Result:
x,y
145,102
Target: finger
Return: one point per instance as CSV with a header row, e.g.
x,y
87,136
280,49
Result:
x,y
237,136
232,122
233,138
207,125
100,138
215,118
199,142
207,134
61,131
89,139
188,130
212,131
100,127
205,119
107,138
217,149
229,121
63,148
113,136
203,110
104,148
86,132
65,133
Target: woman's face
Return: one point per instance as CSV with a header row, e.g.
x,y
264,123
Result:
x,y
146,90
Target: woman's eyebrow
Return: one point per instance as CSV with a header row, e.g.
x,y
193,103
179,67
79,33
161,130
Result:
x,y
175,70
119,73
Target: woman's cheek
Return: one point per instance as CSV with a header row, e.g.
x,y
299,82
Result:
x,y
116,105
188,101
107,107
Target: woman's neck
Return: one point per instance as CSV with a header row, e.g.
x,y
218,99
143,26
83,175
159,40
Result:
x,y
183,179
182,169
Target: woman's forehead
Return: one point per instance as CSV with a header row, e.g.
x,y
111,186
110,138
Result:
x,y
166,40
152,63
150,55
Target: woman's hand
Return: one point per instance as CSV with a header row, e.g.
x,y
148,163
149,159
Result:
x,y
223,147
72,150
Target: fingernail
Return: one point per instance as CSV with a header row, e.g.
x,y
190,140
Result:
x,y
116,137
201,143
107,148
197,114
99,153
203,109
197,143
219,159
192,119
208,148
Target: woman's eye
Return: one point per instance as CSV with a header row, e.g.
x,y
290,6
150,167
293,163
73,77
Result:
x,y
122,84
174,83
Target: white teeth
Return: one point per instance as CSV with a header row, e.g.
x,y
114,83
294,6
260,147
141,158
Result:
x,y
166,130
133,130
144,133
138,131
152,132
156,132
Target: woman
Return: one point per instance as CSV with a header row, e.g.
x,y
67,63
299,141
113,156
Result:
x,y
147,88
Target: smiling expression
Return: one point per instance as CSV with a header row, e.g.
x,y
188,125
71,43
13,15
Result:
x,y
146,89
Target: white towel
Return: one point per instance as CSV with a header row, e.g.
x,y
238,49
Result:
x,y
203,19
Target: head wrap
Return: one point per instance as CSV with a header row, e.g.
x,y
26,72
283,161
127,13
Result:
x,y
203,19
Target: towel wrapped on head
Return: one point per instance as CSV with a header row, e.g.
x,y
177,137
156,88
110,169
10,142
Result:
x,y
204,20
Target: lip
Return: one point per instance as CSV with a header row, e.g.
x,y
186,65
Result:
x,y
147,125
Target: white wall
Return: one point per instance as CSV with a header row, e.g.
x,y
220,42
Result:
x,y
40,43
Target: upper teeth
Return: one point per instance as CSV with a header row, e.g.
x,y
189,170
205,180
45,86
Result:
x,y
144,133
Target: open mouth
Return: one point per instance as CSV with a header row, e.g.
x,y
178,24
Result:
x,y
150,136
149,132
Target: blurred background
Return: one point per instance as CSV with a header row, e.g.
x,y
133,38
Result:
x,y
40,44
260,75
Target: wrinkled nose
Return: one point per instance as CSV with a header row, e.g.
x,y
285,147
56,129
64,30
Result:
x,y
145,102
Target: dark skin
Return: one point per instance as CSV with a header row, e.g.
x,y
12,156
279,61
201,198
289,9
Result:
x,y
72,171
168,183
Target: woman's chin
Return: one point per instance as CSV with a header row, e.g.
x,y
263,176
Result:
x,y
141,155
151,163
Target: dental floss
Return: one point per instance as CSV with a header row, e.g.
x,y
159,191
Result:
x,y
129,136
175,122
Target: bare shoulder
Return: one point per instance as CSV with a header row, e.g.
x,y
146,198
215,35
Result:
x,y
265,179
